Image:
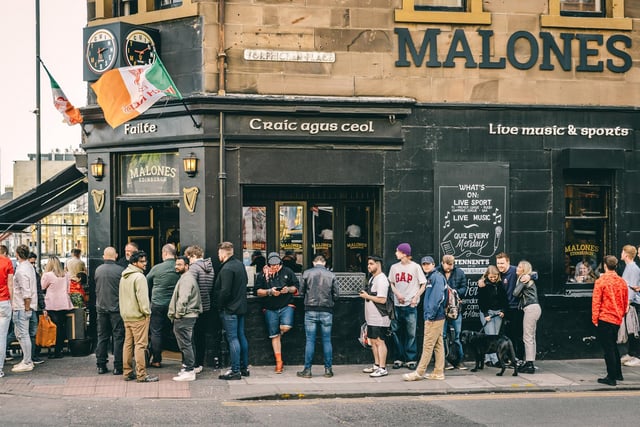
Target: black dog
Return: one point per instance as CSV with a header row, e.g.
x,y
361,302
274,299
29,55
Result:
x,y
478,344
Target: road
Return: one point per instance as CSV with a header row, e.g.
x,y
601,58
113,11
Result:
x,y
512,409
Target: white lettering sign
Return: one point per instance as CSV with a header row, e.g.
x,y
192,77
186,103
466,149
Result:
x,y
288,56
555,130
138,128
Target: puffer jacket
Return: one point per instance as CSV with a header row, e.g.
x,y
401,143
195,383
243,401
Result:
x,y
202,270
527,293
319,288
185,301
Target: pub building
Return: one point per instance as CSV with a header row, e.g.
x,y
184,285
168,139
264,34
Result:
x,y
467,128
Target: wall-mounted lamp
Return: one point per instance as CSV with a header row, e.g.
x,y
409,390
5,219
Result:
x,y
190,164
97,169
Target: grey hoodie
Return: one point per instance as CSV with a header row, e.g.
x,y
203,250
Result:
x,y
202,270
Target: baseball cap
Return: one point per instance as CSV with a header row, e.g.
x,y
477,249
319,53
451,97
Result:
x,y
427,260
274,258
405,248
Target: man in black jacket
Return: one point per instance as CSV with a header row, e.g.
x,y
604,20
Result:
x,y
320,291
230,297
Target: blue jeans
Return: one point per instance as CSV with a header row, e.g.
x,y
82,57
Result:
x,y
492,327
238,346
5,320
313,320
276,318
457,327
21,319
404,333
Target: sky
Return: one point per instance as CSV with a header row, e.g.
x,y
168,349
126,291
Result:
x,y
61,24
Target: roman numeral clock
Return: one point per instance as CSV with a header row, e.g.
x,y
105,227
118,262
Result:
x,y
117,45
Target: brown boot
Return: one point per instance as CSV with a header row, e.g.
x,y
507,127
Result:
x,y
279,366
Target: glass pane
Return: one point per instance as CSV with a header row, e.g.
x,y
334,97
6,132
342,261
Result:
x,y
357,242
439,4
585,231
291,234
581,5
254,233
322,230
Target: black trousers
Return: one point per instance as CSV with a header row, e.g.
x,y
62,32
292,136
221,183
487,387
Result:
x,y
607,335
207,335
59,317
513,329
110,324
159,328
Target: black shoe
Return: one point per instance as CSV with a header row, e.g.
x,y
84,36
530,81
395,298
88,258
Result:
x,y
36,361
245,372
148,379
328,373
527,368
230,375
130,377
58,356
305,373
619,378
607,381
117,371
102,370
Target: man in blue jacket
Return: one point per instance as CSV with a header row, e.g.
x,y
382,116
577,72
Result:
x,y
456,279
434,302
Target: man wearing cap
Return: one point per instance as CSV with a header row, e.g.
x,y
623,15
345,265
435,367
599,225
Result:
x,y
407,284
434,302
456,279
277,284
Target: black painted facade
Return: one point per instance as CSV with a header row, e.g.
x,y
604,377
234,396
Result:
x,y
394,165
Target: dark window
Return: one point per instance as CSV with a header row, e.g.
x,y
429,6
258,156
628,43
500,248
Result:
x,y
455,5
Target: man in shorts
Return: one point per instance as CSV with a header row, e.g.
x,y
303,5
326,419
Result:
x,y
377,324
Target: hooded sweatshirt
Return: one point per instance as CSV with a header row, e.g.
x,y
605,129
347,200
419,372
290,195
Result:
x,y
202,270
134,295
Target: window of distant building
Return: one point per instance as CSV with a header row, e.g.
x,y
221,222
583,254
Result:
x,y
588,14
443,12
140,11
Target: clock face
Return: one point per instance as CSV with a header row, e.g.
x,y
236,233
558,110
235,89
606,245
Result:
x,y
101,51
139,48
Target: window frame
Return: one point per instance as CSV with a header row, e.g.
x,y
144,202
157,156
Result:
x,y
461,8
613,18
600,14
473,14
148,11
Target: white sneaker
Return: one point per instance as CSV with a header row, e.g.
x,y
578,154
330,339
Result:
x,y
625,358
634,361
197,369
371,369
185,376
413,376
434,376
1,373
22,367
380,372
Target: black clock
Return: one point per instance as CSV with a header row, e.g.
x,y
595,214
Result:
x,y
139,48
102,51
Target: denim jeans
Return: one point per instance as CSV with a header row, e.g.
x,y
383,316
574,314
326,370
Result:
x,y
313,320
492,327
5,320
183,330
457,328
110,324
21,319
238,346
33,328
404,333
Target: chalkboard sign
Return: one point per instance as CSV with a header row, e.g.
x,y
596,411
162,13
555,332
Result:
x,y
471,208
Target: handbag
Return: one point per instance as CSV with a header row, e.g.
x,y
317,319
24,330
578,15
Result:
x,y
46,332
364,341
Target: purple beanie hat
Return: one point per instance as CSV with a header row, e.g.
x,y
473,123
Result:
x,y
405,248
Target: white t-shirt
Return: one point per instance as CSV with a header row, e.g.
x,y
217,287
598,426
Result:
x,y
407,279
379,286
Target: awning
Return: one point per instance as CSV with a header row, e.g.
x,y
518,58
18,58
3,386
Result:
x,y
43,200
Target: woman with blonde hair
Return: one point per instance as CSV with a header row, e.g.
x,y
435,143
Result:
x,y
57,301
528,295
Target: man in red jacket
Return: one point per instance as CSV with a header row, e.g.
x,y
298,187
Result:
x,y
608,308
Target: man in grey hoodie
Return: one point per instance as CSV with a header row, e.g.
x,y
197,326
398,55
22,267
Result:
x,y
184,309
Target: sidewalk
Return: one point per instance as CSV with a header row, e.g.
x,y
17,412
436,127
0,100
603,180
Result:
x,y
76,377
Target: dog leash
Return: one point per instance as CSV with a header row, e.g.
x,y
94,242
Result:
x,y
490,317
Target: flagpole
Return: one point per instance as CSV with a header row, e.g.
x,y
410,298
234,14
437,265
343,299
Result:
x,y
195,123
38,136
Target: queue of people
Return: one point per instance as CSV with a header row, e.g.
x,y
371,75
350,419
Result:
x,y
183,296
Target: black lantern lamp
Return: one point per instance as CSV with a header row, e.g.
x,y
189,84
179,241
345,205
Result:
x,y
97,169
190,164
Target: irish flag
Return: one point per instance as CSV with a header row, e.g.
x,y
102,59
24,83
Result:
x,y
125,93
70,114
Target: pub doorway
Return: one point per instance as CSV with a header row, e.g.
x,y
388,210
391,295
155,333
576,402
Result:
x,y
150,225
297,223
